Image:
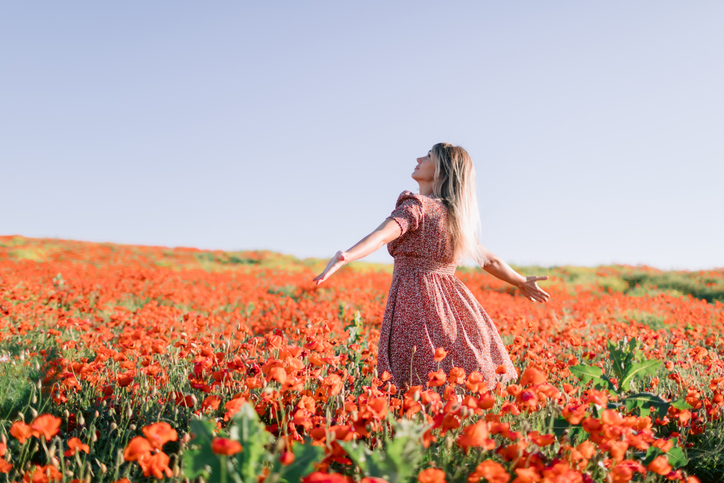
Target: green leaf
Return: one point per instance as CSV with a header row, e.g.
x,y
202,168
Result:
x,y
248,430
681,404
586,373
305,456
198,459
592,373
575,431
676,457
647,367
646,401
398,461
619,359
651,454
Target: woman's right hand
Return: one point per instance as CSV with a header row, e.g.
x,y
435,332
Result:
x,y
337,261
532,291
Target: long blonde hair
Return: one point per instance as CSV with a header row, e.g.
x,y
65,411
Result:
x,y
455,183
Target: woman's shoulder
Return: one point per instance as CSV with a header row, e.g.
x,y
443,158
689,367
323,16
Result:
x,y
410,197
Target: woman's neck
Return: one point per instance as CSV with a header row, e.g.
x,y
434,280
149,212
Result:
x,y
425,188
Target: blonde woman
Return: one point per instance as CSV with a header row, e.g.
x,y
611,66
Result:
x,y
428,234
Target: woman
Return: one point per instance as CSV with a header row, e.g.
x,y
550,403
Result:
x,y
428,307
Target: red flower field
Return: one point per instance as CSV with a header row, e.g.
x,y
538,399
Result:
x,y
127,363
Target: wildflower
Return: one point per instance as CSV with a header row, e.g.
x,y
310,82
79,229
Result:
x,y
532,376
431,475
75,444
476,435
46,425
225,446
491,471
21,431
660,465
156,465
137,448
159,434
436,379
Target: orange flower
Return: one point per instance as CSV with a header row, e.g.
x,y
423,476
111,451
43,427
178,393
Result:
x,y
436,378
378,407
476,382
599,398
457,375
287,458
611,418
618,449
319,477
491,471
233,407
43,474
440,354
46,425
278,374
664,444
684,416
373,479
21,431
569,388
431,475
475,435
532,376
225,446
211,402
318,434
501,370
528,400
587,449
591,425
542,439
624,471
574,413
660,465
159,434
486,401
136,449
75,444
156,465
527,475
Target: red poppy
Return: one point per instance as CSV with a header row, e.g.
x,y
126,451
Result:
x,y
225,446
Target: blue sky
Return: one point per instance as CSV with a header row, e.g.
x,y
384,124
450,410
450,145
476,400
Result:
x,y
595,127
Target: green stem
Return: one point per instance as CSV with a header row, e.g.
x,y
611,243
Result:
x,y
223,467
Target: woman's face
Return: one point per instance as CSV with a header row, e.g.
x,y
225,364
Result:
x,y
425,169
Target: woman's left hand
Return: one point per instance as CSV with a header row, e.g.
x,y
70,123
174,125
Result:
x,y
337,261
532,291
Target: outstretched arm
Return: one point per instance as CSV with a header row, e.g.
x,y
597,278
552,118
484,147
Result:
x,y
496,267
385,233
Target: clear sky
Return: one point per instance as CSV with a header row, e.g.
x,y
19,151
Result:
x,y
597,128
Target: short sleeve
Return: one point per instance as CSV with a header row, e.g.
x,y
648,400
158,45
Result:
x,y
408,212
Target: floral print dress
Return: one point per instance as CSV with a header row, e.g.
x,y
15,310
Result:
x,y
429,307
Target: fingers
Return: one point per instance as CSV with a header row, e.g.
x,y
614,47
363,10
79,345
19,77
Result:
x,y
536,294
